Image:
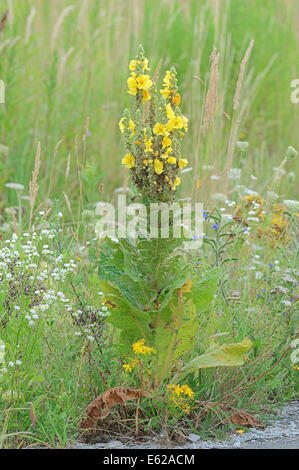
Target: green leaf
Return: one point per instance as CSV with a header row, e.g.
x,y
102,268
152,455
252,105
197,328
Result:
x,y
176,334
204,289
228,355
126,316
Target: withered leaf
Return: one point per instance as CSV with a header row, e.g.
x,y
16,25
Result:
x,y
99,408
235,416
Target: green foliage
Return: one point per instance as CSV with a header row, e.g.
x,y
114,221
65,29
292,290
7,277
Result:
x,y
156,294
228,355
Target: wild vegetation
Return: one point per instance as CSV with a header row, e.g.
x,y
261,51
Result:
x,y
159,325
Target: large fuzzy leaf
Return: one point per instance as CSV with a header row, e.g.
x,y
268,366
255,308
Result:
x,y
126,316
228,355
176,333
147,273
204,289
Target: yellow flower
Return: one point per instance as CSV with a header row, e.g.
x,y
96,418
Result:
x,y
175,122
129,367
176,99
144,82
169,111
148,145
132,127
187,391
165,92
133,65
139,348
158,165
128,160
183,162
171,160
145,96
159,129
181,396
185,123
132,85
166,142
145,64
167,152
121,125
240,431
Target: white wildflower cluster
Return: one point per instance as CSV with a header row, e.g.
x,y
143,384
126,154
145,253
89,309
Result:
x,y
31,262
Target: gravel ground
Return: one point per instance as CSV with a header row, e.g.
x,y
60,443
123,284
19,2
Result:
x,y
282,432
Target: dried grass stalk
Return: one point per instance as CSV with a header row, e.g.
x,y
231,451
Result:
x,y
58,24
33,185
29,24
212,94
241,75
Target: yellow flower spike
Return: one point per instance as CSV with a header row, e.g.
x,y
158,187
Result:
x,y
144,82
177,181
132,85
166,142
183,162
128,160
171,160
167,79
159,129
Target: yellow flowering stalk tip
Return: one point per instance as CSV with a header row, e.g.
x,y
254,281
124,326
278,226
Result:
x,y
155,127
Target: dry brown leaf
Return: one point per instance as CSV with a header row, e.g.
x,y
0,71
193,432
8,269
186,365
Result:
x,y
242,418
237,417
99,408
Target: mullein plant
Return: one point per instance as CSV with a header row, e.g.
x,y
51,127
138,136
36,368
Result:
x,y
155,293
153,132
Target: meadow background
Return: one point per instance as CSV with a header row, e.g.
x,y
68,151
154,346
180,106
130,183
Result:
x,y
64,63
65,66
